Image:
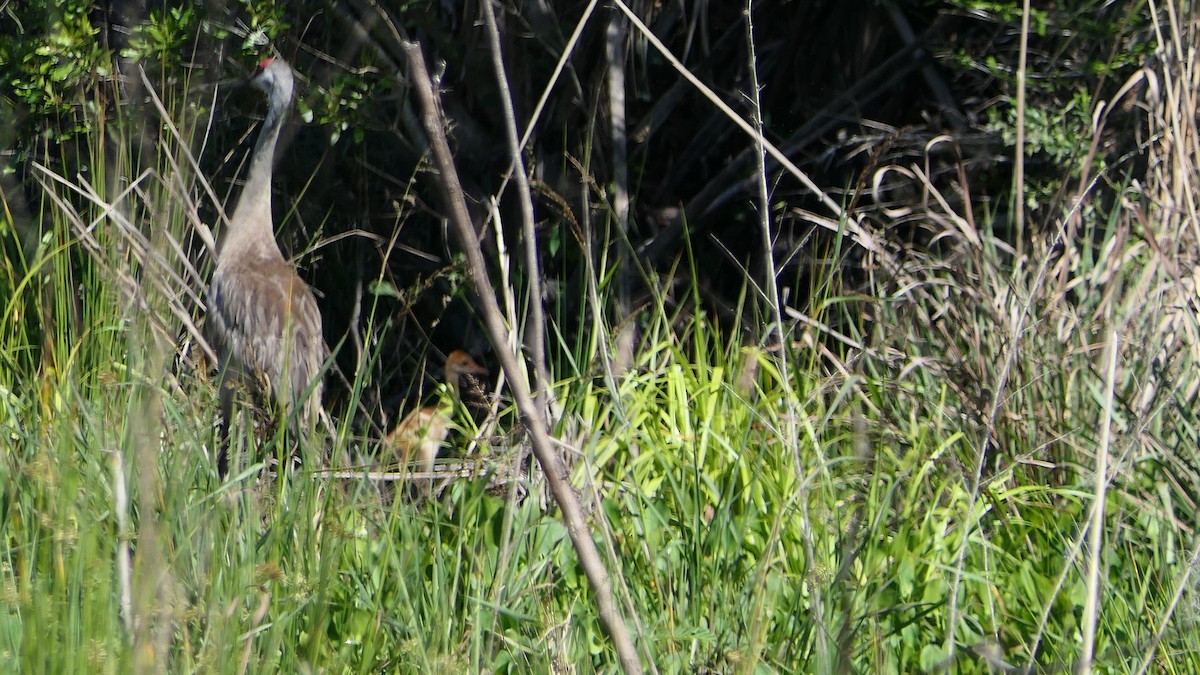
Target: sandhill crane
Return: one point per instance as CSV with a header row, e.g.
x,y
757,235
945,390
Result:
x,y
263,320
423,430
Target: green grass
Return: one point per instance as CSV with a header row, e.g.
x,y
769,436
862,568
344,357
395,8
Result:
x,y
736,546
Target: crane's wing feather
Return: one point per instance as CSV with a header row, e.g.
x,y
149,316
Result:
x,y
264,318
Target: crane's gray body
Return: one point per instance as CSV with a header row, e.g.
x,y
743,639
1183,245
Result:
x,y
263,319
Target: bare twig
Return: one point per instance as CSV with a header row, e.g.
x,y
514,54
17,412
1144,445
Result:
x,y
535,337
770,290
1019,151
124,555
614,51
556,475
1096,533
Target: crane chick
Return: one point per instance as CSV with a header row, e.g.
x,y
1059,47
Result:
x,y
423,430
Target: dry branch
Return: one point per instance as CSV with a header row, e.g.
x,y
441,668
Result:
x,y
556,474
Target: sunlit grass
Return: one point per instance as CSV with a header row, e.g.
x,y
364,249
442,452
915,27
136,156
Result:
x,y
695,491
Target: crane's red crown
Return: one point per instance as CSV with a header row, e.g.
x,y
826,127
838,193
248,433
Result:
x,y
262,65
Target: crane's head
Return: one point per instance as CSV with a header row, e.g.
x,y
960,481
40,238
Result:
x,y
460,363
274,78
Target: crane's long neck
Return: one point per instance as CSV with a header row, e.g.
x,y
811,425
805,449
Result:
x,y
251,226
453,382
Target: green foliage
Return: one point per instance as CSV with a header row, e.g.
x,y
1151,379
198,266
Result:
x,y
47,60
1071,64
337,108
164,34
1007,12
266,19
1051,141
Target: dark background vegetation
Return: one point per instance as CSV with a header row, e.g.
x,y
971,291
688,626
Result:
x,y
848,87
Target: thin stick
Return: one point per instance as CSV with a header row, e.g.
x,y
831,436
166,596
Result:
x,y
1091,607
556,474
1019,151
536,336
124,555
770,288
614,53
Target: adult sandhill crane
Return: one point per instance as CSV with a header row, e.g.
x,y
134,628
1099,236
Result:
x,y
423,430
264,323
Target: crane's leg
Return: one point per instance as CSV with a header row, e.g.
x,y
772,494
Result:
x,y
428,452
225,388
